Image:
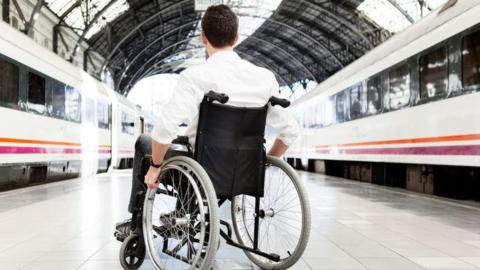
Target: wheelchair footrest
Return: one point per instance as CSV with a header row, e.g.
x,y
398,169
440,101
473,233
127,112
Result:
x,y
122,230
119,236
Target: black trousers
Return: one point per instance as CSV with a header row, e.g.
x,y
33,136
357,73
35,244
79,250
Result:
x,y
143,147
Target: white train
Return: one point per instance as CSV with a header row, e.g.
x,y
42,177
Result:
x,y
57,121
413,101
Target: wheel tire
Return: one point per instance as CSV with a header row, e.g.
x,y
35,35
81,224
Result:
x,y
306,216
211,196
129,249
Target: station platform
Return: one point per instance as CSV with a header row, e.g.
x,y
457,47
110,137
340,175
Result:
x,y
69,225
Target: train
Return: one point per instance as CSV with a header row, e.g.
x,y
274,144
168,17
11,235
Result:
x,y
406,114
58,122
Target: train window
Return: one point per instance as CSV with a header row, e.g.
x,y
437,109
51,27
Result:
x,y
357,101
399,95
102,115
433,73
329,116
58,100
73,104
471,61
341,107
128,123
36,93
374,95
89,110
8,84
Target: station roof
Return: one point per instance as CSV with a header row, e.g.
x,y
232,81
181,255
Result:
x,y
299,40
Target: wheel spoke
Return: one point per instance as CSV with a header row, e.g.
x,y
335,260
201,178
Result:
x,y
181,214
280,233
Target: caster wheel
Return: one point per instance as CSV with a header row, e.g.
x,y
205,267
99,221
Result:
x,y
132,252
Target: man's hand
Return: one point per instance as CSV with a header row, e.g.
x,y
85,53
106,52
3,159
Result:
x,y
152,178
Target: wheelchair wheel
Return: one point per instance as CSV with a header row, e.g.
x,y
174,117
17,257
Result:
x,y
132,252
180,218
284,225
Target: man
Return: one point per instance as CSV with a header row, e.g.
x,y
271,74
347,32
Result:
x,y
225,72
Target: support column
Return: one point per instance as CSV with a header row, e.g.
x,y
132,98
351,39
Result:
x,y
6,11
85,60
55,39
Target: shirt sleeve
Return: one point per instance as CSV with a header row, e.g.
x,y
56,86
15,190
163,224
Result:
x,y
282,121
181,108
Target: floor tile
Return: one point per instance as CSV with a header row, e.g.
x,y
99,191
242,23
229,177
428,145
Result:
x,y
354,226
441,262
389,263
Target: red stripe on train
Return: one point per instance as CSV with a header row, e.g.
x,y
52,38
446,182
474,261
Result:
x,y
454,150
44,150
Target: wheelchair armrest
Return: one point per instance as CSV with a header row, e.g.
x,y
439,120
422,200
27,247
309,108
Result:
x,y
214,96
182,140
279,101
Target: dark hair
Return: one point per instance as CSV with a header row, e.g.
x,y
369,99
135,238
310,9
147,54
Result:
x,y
220,26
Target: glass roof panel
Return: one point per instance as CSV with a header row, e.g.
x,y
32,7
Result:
x,y
396,15
83,14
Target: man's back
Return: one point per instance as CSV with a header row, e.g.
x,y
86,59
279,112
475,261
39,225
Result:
x,y
246,84
225,72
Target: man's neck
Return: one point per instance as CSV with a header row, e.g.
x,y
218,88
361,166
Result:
x,y
211,50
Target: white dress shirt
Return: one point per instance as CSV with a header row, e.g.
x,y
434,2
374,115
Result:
x,y
224,72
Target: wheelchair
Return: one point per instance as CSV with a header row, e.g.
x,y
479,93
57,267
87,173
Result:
x,y
178,224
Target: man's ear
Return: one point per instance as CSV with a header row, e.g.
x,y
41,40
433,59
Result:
x,y
204,39
236,40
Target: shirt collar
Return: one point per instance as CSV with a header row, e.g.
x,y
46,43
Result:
x,y
224,56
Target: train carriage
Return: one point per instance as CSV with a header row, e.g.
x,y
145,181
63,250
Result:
x,y
413,100
58,121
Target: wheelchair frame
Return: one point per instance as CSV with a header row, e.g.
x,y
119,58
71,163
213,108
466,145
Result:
x,y
228,235
137,217
138,211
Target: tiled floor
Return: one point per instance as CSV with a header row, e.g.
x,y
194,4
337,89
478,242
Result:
x,y
68,225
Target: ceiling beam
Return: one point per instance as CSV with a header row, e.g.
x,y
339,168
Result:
x,y
338,17
156,40
97,16
135,29
33,17
135,75
310,38
403,11
6,11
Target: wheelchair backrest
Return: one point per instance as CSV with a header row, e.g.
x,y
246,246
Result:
x,y
230,147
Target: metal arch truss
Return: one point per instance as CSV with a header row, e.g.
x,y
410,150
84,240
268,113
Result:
x,y
28,24
161,38
142,69
403,11
323,47
157,69
312,66
357,25
136,28
308,66
89,23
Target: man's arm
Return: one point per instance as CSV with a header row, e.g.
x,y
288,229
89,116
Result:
x,y
283,123
158,154
182,108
